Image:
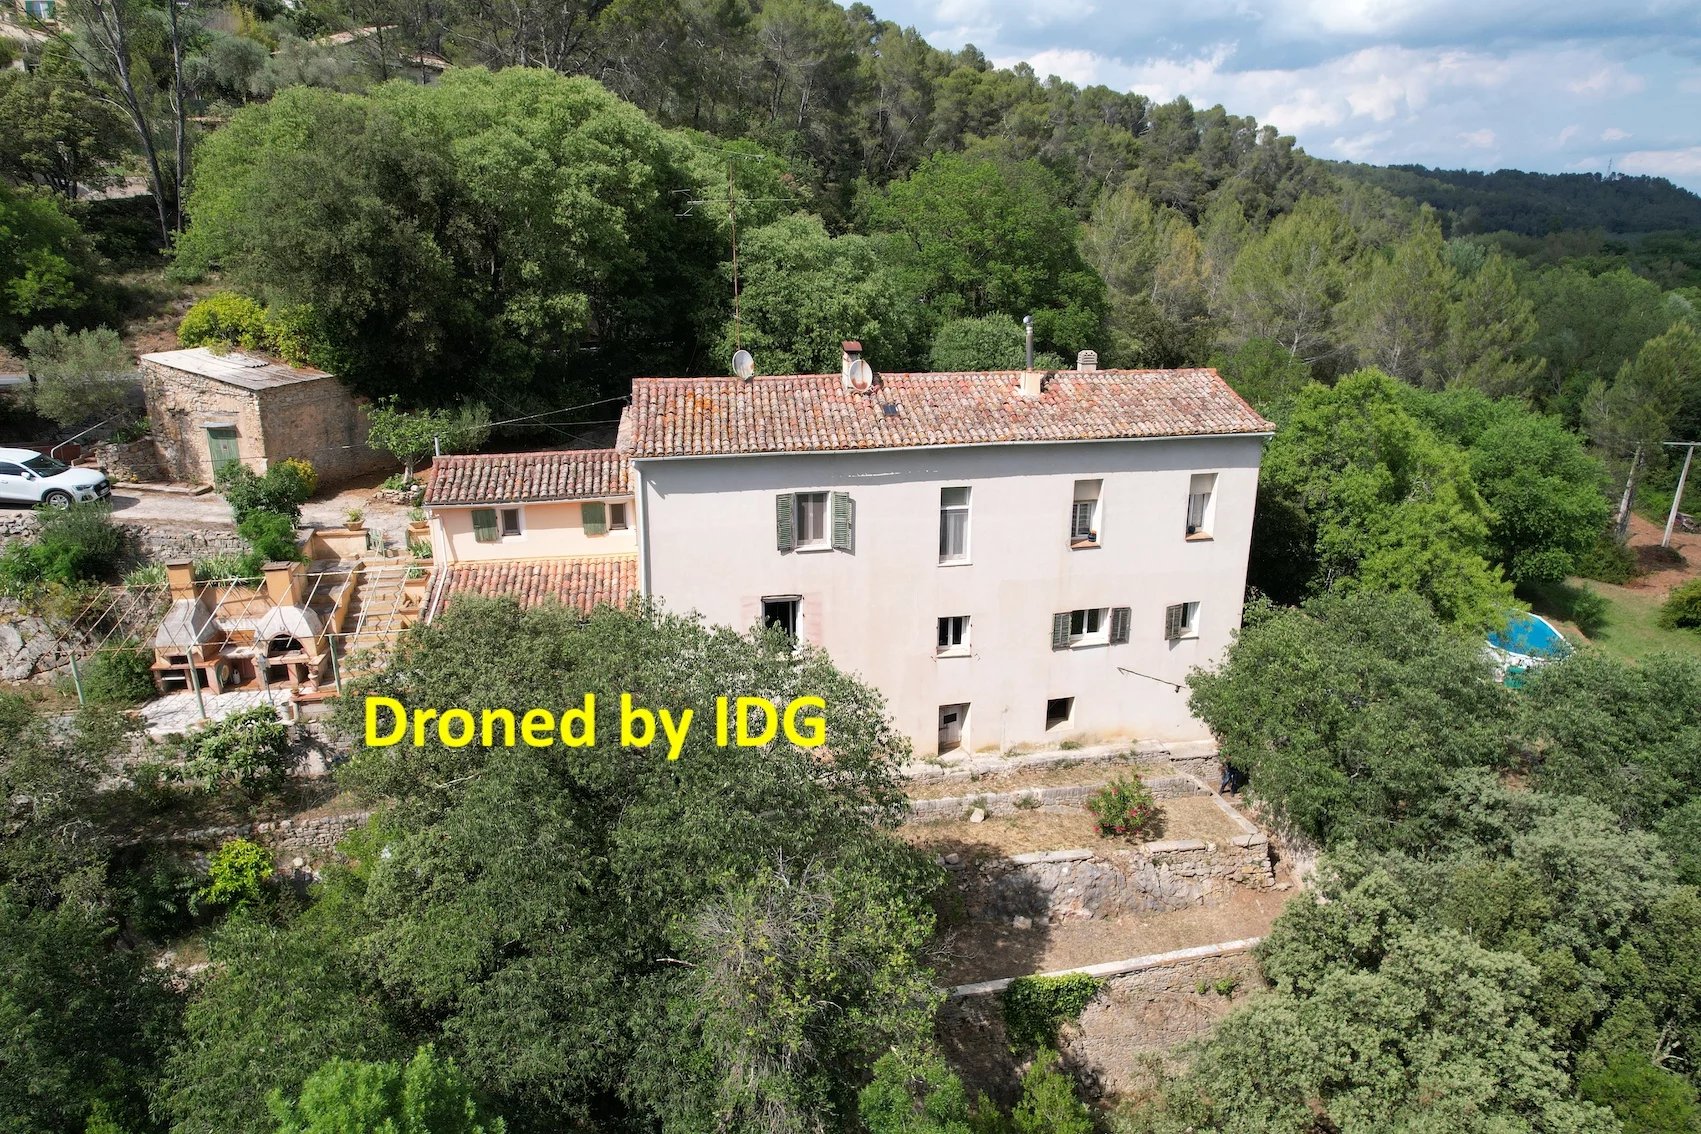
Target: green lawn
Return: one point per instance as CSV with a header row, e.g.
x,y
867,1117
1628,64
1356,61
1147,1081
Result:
x,y
1630,630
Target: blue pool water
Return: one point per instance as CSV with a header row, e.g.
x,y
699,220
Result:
x,y
1531,636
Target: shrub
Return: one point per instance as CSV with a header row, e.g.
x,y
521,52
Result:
x,y
1609,561
1682,608
224,320
119,676
1125,807
225,565
1034,1007
71,545
271,538
147,575
1049,1104
236,874
159,894
283,488
251,751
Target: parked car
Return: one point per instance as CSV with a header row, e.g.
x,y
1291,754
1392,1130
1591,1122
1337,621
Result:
x,y
34,478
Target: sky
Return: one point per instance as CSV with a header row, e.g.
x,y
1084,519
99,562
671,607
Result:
x,y
1555,86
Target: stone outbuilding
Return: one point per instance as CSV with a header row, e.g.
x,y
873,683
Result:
x,y
208,409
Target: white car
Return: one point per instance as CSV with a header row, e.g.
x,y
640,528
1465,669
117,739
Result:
x,y
32,478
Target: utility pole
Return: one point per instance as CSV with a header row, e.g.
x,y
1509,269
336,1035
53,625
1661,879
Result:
x,y
1688,448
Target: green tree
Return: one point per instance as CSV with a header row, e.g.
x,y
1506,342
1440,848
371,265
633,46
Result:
x,y
914,1095
981,237
804,292
989,342
426,1095
1489,330
281,490
1263,373
1049,1104
1646,1098
46,266
251,750
412,436
1351,714
1157,274
1395,315
78,377
82,1024
1286,284
1374,501
237,874
1653,393
53,132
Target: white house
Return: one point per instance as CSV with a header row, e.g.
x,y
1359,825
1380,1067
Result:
x,y
1011,558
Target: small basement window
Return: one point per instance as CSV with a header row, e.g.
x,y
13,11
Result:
x,y
1058,712
953,635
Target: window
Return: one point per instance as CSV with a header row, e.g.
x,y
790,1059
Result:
x,y
1058,711
1181,621
7,468
953,635
1084,515
1089,627
510,522
781,612
1201,493
813,521
953,525
485,527
617,516
811,514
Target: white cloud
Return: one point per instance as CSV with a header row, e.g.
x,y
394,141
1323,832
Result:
x,y
1608,81
1614,134
1478,139
1077,66
1568,133
1678,164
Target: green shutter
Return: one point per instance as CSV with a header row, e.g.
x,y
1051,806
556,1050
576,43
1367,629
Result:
x,y
842,521
484,525
785,535
1060,631
594,515
1121,618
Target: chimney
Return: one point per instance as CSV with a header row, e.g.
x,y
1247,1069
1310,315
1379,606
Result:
x,y
850,354
1028,330
1087,361
180,579
284,583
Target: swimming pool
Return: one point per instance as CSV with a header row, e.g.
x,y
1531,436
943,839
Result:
x,y
1530,636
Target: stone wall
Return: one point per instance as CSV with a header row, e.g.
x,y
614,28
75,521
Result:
x,y
180,405
312,839
1146,1009
156,542
1070,795
1169,874
130,462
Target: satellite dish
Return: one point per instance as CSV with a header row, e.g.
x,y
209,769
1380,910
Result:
x,y
861,376
743,364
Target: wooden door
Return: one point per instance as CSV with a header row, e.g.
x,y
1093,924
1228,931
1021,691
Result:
x,y
221,445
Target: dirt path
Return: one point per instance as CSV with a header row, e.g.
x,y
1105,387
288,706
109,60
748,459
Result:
x,y
1660,575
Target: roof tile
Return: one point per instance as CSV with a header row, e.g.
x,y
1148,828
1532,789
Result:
x,y
582,584
566,474
687,417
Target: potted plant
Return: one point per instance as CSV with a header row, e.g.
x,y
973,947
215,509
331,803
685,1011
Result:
x,y
418,526
356,519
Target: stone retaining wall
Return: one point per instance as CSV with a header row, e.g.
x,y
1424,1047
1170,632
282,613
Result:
x,y
1146,1007
178,540
312,838
1026,799
130,462
1170,874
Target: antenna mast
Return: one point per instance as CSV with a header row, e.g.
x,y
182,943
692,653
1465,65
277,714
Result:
x,y
732,220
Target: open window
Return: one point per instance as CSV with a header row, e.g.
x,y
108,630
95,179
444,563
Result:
x,y
1201,505
1059,711
953,525
1181,621
953,636
781,612
1084,514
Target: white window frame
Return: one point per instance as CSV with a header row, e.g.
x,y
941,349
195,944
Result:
x,y
1205,510
1095,626
823,542
1087,497
796,603
957,649
623,524
953,509
503,535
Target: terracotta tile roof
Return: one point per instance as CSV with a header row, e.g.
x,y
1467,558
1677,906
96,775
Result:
x,y
680,417
580,583
491,478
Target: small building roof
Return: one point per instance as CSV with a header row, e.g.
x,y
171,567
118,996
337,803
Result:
x,y
583,584
247,369
802,413
508,478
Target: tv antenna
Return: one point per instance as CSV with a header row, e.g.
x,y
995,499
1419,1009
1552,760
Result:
x,y
731,202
